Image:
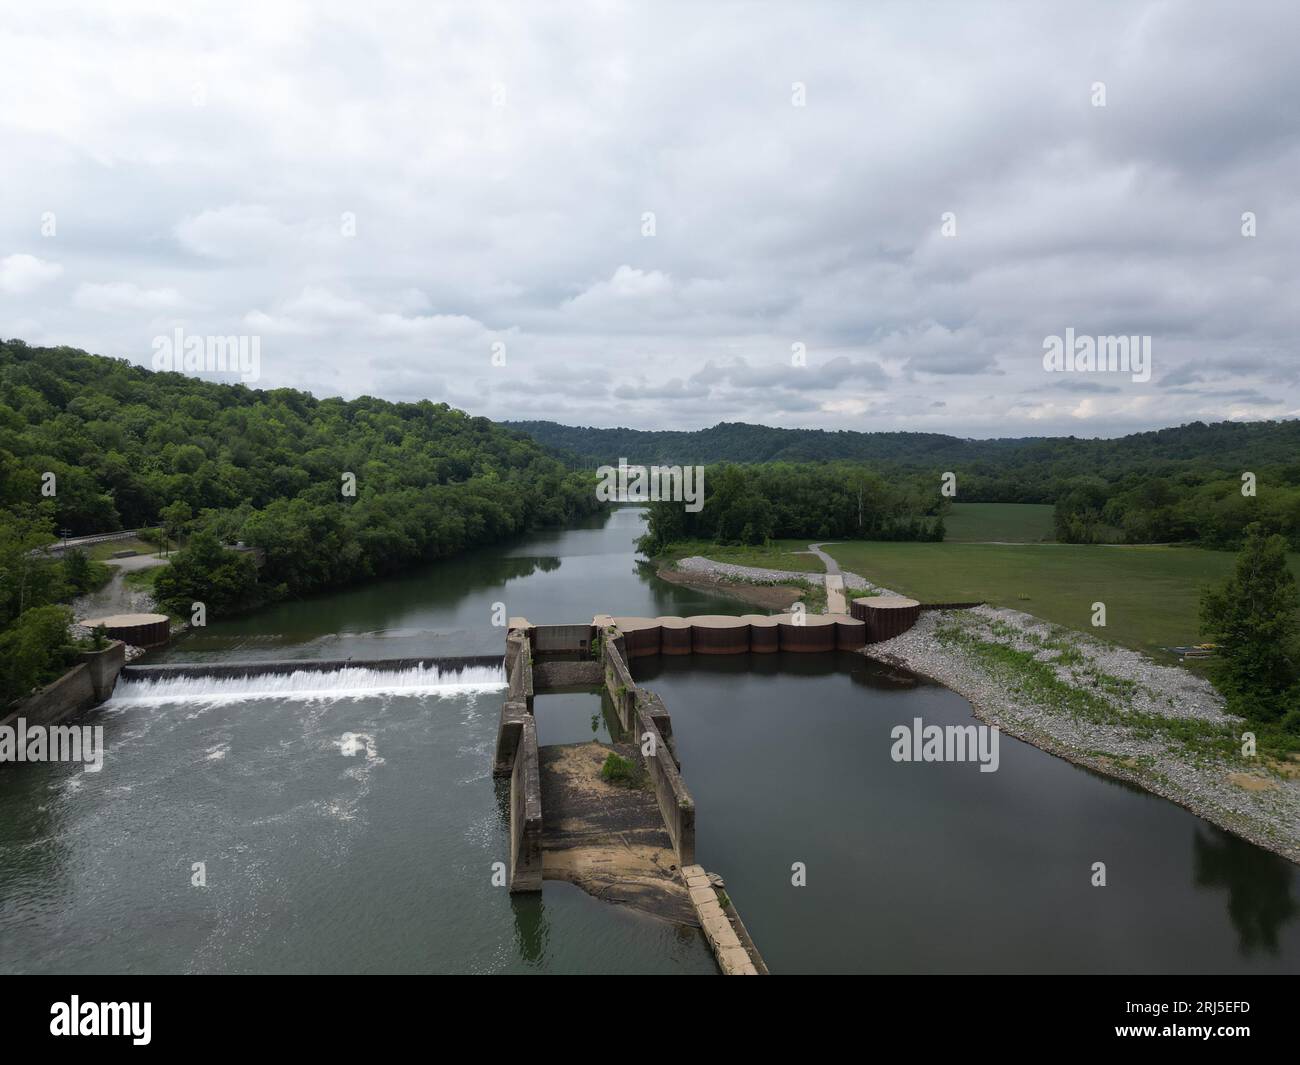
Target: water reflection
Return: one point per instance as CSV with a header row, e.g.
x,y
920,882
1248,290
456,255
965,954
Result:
x,y
784,757
1257,881
532,930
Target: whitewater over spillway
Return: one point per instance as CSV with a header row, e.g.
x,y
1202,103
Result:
x,y
306,685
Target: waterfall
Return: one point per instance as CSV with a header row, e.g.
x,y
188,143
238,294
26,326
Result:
x,y
305,685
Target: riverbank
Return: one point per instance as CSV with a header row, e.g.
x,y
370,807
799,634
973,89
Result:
x,y
771,589
1107,708
1111,710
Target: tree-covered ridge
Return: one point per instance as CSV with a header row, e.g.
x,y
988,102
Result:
x,y
781,500
267,467
1171,485
1218,446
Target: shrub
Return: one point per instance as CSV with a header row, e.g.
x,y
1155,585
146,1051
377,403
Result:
x,y
34,650
621,771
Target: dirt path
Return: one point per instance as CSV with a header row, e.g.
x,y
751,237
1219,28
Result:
x,y
117,597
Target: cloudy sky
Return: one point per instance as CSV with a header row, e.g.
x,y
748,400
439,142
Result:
x,y
387,195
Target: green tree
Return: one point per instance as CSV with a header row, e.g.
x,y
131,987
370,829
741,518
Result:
x,y
1252,617
33,651
28,575
225,581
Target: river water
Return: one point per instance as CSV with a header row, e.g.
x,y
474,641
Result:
x,y
355,829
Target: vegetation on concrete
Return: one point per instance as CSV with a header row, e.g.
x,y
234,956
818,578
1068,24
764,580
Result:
x,y
621,772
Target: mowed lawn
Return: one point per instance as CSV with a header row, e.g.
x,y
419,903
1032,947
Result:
x,y
1152,594
1016,523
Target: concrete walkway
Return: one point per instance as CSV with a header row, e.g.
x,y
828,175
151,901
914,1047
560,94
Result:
x,y
836,603
831,565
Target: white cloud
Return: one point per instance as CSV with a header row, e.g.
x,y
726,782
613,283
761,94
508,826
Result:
x,y
21,274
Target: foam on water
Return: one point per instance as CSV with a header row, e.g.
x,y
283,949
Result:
x,y
307,685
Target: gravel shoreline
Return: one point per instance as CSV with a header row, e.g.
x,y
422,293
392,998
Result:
x,y
1140,702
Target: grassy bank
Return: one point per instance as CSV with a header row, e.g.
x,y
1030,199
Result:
x,y
776,554
1152,594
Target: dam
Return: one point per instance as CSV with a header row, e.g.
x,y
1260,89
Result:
x,y
358,830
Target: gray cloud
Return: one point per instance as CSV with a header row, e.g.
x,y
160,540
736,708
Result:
x,y
390,198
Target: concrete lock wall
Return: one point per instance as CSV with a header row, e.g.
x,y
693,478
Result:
x,y
676,805
526,813
620,685
520,677
553,639
509,732
643,713
648,703
517,704
85,685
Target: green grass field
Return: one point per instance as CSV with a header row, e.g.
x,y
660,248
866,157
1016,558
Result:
x,y
1152,594
1017,523
104,551
778,554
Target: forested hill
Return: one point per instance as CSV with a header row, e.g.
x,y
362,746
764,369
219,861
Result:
x,y
1025,469
1223,445
268,467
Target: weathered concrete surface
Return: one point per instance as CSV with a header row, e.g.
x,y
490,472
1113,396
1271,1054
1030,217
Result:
x,y
520,673
510,731
619,683
526,813
547,675
722,926
676,805
608,840
104,667
835,601
85,685
555,638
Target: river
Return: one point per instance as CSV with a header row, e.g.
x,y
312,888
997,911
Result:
x,y
356,831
